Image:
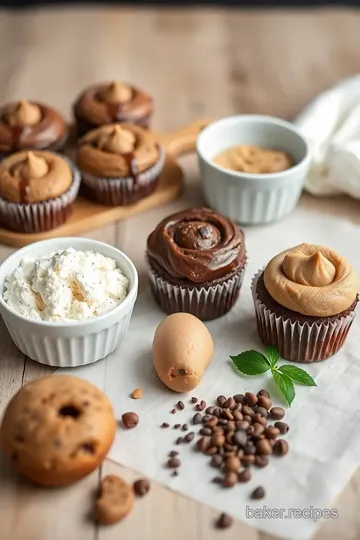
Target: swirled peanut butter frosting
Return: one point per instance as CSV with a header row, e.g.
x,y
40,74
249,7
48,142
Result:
x,y
23,114
116,92
311,280
29,177
112,150
197,244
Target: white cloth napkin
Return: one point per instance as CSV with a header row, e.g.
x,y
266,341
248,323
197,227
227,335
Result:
x,y
331,124
324,437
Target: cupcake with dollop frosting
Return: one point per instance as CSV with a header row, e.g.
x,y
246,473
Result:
x,y
26,125
196,263
111,102
120,164
37,189
305,302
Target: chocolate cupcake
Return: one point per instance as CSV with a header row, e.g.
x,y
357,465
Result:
x,y
30,126
109,103
37,190
119,164
196,263
305,302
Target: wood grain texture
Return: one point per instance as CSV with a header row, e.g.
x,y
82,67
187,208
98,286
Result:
x,y
196,63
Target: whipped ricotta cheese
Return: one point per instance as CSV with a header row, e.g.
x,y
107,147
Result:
x,y
67,285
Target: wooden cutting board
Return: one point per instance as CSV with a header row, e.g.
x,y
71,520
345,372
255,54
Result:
x,y
89,215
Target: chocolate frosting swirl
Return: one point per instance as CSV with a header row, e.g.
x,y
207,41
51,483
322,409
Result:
x,y
197,244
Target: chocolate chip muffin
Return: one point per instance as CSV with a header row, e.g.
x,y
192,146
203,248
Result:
x,y
108,103
196,263
37,190
26,125
57,429
119,164
305,302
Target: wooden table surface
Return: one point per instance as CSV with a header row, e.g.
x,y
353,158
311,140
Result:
x,y
195,63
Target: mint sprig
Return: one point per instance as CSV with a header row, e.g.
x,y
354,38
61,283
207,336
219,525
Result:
x,y
255,363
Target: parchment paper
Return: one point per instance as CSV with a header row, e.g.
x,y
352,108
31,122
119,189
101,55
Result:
x,y
324,435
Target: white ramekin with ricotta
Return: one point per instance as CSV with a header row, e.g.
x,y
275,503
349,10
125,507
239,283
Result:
x,y
67,301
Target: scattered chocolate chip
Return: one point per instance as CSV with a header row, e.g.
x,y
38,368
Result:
x,y
248,460
201,406
173,411
251,399
130,420
194,400
173,453
165,425
175,473
230,403
282,427
227,414
217,480
239,398
217,412
265,402
262,411
141,487
271,432
232,464
174,463
197,419
281,447
224,521
237,415
229,480
220,400
212,422
263,392
185,427
210,410
259,419
176,426
240,438
216,461
244,476
277,413
211,451
189,437
206,418
258,493
217,439
205,431
180,405
222,421
263,447
261,461
247,411
243,425
203,444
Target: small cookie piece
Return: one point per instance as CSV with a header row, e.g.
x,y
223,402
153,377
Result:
x,y
58,429
136,394
115,500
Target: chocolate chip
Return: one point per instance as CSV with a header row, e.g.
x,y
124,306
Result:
x,y
205,431
180,405
224,521
210,410
173,453
203,444
239,398
226,413
194,400
217,412
261,461
189,437
258,429
271,432
211,451
220,400
258,493
179,440
206,418
248,460
264,393
244,476
246,410
174,463
282,427
212,422
216,461
232,464
141,487
197,419
201,406
259,419
165,425
251,399
263,447
237,415
281,447
265,402
229,480
222,421
176,426
240,438
175,473
277,413
217,479
217,439
230,403
230,426
243,425
173,411
185,427
262,411
130,420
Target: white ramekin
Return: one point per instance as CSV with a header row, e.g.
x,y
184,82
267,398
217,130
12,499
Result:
x,y
69,344
252,198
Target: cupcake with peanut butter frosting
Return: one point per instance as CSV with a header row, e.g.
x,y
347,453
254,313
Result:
x,y
112,102
37,190
305,302
119,164
26,125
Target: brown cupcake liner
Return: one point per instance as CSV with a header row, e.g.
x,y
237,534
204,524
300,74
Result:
x,y
299,342
123,191
206,303
41,216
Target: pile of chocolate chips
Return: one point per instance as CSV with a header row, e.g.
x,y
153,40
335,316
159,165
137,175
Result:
x,y
236,434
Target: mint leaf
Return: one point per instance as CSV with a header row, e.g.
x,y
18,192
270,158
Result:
x,y
285,385
273,355
300,376
251,362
